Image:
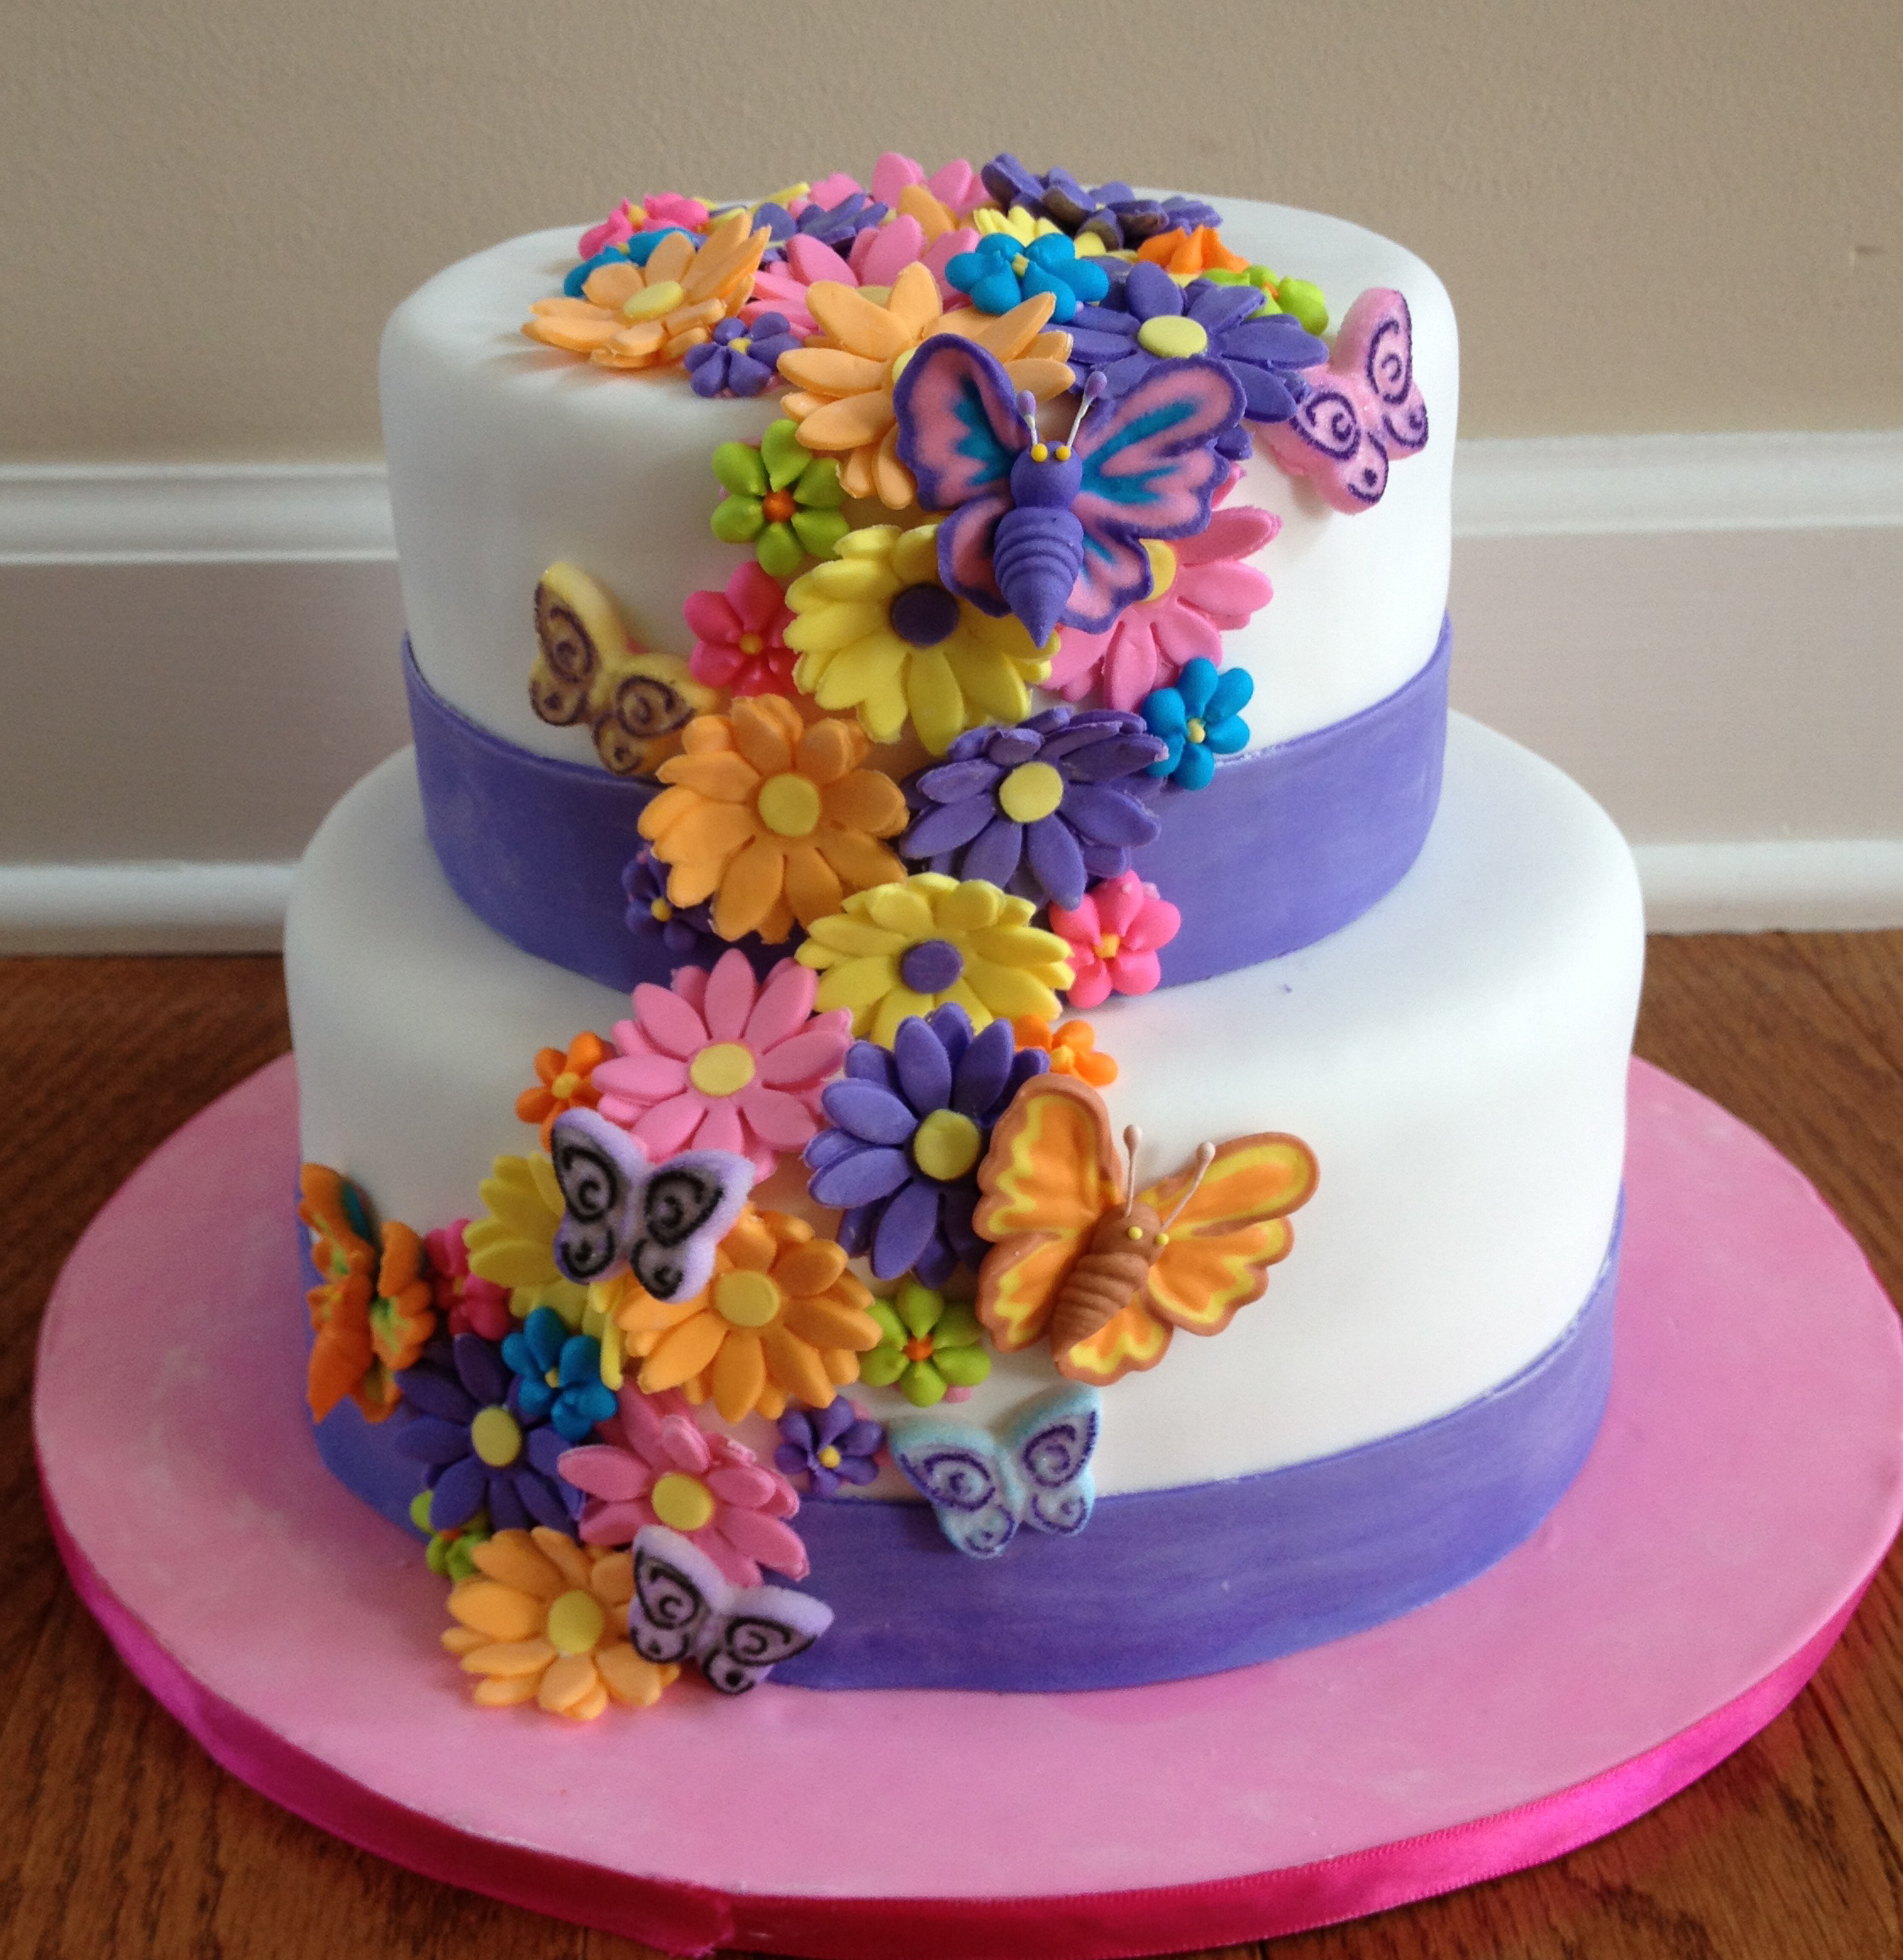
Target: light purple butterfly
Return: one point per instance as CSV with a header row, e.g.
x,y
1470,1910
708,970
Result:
x,y
1363,408
685,1608
662,1221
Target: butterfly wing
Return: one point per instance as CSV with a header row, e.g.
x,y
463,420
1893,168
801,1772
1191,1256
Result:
x,y
1377,343
679,1596
1051,1172
968,1480
1051,1443
764,1626
687,1205
1131,1340
601,1171
1231,1232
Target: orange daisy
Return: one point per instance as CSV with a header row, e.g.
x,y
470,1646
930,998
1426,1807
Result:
x,y
1184,254
564,1082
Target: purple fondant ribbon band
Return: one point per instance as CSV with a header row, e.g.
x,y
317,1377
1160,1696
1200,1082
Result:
x,y
1287,845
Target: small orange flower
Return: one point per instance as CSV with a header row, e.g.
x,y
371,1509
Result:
x,y
782,1317
1183,254
372,1315
632,316
772,820
566,1083
1073,1049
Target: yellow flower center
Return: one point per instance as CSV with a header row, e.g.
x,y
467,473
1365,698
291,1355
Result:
x,y
496,1437
1163,568
661,911
1172,336
553,1378
721,1068
946,1145
789,805
1108,946
1195,730
746,1299
828,1458
899,361
878,295
751,644
652,301
738,344
563,1087
1020,265
575,1622
681,1502
1031,790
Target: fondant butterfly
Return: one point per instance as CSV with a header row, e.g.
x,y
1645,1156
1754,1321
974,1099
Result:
x,y
1054,533
982,1487
1362,409
1110,1276
684,1609
662,1221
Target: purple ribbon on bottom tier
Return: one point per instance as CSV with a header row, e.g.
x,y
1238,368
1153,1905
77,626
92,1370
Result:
x,y
1164,1585
1287,844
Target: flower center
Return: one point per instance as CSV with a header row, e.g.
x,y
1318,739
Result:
x,y
1109,946
1020,265
746,1299
1163,568
751,644
563,1087
721,1068
930,966
945,1146
920,1349
1031,790
661,911
652,302
1173,336
553,1377
778,506
496,1437
682,1502
923,615
789,805
828,1458
1195,730
738,344
901,361
575,1622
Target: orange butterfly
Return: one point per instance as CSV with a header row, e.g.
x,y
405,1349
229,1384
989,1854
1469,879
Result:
x,y
1110,1277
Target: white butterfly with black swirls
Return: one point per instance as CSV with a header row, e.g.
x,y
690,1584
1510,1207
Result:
x,y
660,1222
685,1608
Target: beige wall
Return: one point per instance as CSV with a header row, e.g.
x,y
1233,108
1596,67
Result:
x,y
1673,215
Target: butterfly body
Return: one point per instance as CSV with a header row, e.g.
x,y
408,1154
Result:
x,y
1107,1276
1037,549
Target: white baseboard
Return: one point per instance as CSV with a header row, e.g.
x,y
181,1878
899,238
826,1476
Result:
x,y
196,660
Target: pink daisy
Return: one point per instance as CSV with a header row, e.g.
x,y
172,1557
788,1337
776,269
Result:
x,y
657,213
1114,936
878,255
736,636
955,184
1203,589
469,1304
723,1061
654,1465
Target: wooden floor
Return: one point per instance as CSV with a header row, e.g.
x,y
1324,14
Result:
x,y
118,1836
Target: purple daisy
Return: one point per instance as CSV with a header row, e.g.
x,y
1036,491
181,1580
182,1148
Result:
x,y
834,224
741,358
831,1446
482,1452
908,1133
686,931
1112,212
1043,809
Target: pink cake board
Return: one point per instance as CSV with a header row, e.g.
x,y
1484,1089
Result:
x,y
1746,1484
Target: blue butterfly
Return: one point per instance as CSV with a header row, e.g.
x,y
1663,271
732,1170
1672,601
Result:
x,y
1053,532
982,1487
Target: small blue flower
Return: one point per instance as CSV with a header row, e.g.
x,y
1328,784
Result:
x,y
1200,717
559,1375
1004,271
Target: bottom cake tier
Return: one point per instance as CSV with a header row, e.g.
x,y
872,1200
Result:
x,y
1422,1378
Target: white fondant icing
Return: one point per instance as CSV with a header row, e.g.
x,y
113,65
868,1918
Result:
x,y
506,456
1456,1059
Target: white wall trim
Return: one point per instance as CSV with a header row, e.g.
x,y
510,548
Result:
x,y
1848,885
143,908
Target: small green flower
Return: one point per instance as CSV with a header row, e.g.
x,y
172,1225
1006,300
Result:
x,y
780,499
929,1344
1299,297
450,1555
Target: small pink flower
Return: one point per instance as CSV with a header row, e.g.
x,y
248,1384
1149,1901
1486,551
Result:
x,y
955,184
654,1465
827,193
723,1061
670,207
1213,593
876,257
737,643
469,1304
1114,936
616,228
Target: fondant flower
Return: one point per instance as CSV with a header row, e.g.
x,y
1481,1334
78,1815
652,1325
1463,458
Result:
x,y
1000,275
780,499
482,1449
1200,588
1187,254
879,634
782,1317
449,1554
835,224
653,1465
1039,809
546,1620
829,1446
1112,213
1199,718
513,1244
931,1345
1073,1049
1299,298
686,931
901,949
908,1131
741,357
772,820
923,233
561,1083
842,390
739,635
956,184
632,316
372,1310
723,1062
635,250
558,1375
467,1303
1112,937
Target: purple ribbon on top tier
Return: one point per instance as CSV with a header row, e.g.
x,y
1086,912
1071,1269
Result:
x,y
1287,844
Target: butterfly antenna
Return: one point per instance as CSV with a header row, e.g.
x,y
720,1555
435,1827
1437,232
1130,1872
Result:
x,y
1027,411
1205,1156
1132,1143
1093,391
